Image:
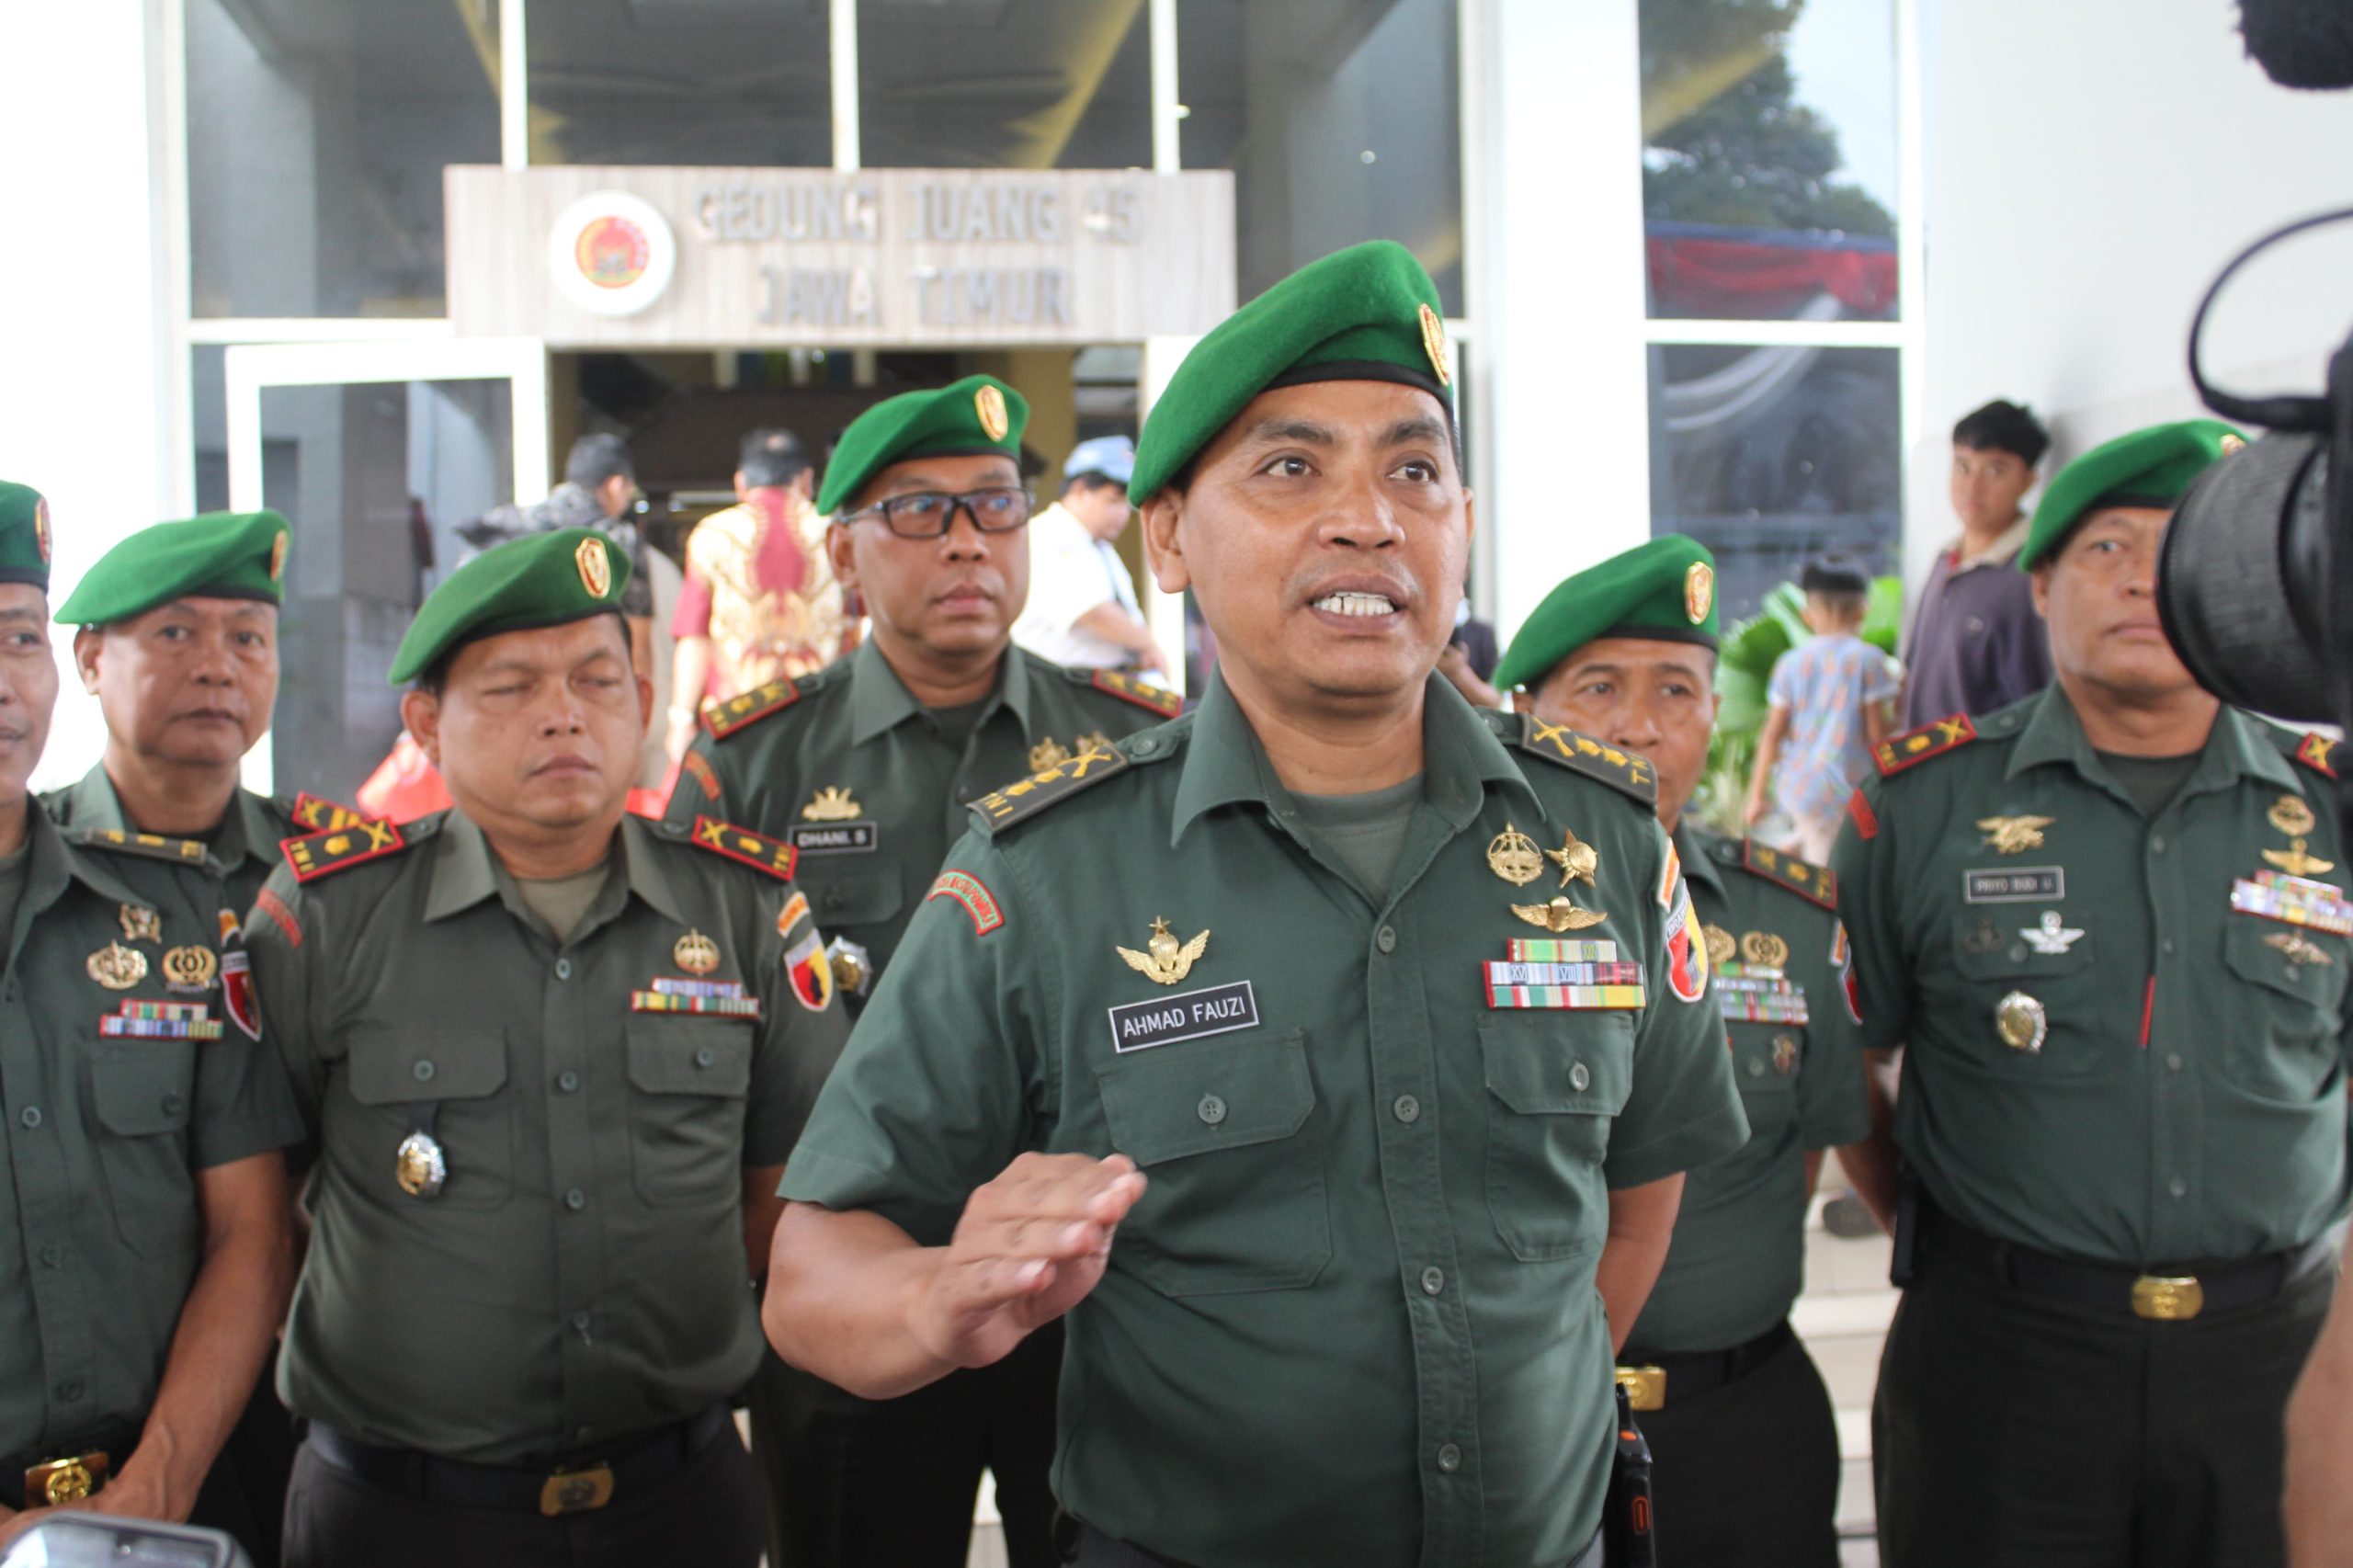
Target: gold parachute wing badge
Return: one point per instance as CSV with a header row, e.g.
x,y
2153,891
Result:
x,y
1167,962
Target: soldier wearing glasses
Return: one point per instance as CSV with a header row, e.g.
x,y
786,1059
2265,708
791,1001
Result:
x,y
866,769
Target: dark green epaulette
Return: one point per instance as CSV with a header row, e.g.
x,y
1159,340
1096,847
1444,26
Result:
x,y
1153,699
714,836
733,715
314,855
1815,884
1911,748
154,846
1564,747
1025,798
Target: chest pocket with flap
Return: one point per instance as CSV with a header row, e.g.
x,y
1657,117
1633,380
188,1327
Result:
x,y
1556,1082
142,1092
690,1077
462,1072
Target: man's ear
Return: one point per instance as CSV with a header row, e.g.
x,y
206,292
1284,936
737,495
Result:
x,y
421,716
1163,550
86,644
841,552
646,704
2039,583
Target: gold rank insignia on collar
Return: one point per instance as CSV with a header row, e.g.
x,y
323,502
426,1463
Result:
x,y
1815,884
1564,747
1025,798
141,923
832,803
1167,962
1513,856
773,855
315,855
2316,751
115,967
2013,835
1913,747
726,718
1577,859
1048,753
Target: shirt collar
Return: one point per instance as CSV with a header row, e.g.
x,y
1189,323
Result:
x,y
879,701
1692,849
2003,548
2233,749
245,830
465,872
1225,763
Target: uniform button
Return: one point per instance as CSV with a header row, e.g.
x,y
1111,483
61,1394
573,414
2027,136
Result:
x,y
1976,626
172,1103
2166,946
581,1321
69,1391
11,992
2156,844
1755,1070
2178,1187
1450,1458
30,1116
1407,1108
52,1255
582,1434
1433,1281
422,1072
1144,747
1580,1077
576,1199
705,1057
833,898
564,969
2173,1062
568,1082
1386,940
1212,1109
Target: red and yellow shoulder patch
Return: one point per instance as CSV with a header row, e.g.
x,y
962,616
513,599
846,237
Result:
x,y
281,914
696,767
1127,689
773,855
315,855
973,894
1913,747
1866,819
724,719
320,815
1815,884
2314,752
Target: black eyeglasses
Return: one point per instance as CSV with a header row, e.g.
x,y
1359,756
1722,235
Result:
x,y
927,514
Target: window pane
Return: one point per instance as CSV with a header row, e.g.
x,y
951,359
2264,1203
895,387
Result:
x,y
720,82
1768,456
1004,84
1768,158
317,131
1342,122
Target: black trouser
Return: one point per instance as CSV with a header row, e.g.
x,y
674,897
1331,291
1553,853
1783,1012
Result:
x,y
2012,1428
706,1512
1096,1550
256,1464
853,1483
1747,1473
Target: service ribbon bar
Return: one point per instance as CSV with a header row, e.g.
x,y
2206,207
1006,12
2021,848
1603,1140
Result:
x,y
1577,998
1555,950
700,1007
1736,970
2293,901
1508,975
675,986
159,1020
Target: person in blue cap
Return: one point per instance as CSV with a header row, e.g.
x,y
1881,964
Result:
x,y
1081,608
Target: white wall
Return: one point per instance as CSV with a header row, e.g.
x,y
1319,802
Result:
x,y
2092,165
82,339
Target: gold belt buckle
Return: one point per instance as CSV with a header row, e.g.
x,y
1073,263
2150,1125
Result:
x,y
2167,1298
1645,1386
576,1491
61,1483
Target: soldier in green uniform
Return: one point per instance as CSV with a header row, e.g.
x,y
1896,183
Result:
x,y
1739,1423
145,1226
2110,928
1330,1056
553,1056
866,769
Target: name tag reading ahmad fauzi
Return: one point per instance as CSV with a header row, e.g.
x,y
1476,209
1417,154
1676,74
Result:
x,y
835,838
1165,1019
2025,884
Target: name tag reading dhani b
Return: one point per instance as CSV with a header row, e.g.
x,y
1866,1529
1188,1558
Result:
x,y
835,838
1164,1021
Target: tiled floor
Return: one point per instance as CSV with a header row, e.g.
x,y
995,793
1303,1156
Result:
x,y
1843,1317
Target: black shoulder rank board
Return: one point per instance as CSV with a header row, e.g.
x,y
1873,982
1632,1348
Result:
x,y
724,719
320,815
1626,770
1897,752
1127,689
2314,752
185,851
315,855
1815,884
773,855
1025,798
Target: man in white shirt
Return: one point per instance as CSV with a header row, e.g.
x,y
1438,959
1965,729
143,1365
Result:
x,y
1082,607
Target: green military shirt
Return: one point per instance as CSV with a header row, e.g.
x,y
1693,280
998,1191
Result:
x,y
1738,1259
2104,1057
867,787
1353,1318
582,1275
245,844
122,1075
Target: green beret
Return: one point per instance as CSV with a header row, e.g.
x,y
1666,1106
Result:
x,y
1663,591
1367,314
2147,468
24,536
221,555
550,579
973,417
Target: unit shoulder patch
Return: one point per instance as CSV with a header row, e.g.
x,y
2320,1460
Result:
x,y
315,855
1815,884
320,815
1896,753
724,718
773,855
183,851
1025,798
1127,689
2317,751
1557,743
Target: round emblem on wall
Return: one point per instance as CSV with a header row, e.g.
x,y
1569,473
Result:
x,y
611,253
